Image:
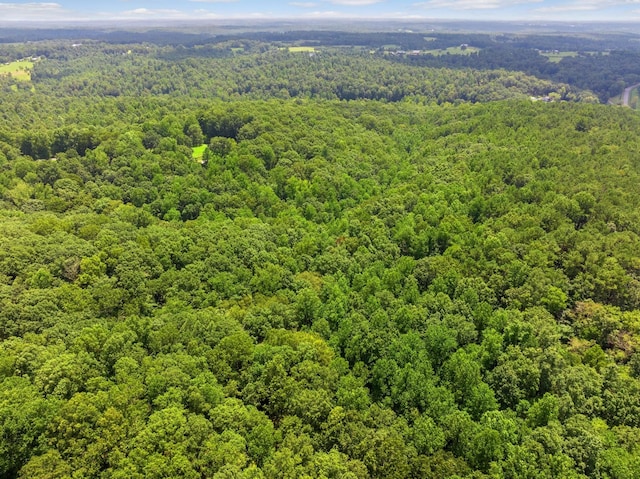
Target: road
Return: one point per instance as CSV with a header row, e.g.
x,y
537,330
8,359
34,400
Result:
x,y
627,93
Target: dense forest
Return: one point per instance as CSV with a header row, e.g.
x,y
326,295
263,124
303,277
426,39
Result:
x,y
97,70
606,75
278,265
601,63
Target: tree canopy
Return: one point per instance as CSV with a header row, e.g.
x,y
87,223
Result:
x,y
219,280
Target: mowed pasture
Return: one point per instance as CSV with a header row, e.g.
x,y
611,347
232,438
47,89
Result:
x,y
20,70
453,51
302,49
555,57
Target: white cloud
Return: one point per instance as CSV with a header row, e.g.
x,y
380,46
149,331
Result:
x,y
325,14
571,7
153,12
355,3
537,9
473,4
32,11
29,6
587,5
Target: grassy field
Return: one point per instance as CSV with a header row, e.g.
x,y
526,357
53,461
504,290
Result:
x,y
302,49
454,51
556,57
198,152
20,70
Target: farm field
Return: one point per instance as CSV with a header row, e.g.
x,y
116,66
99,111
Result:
x,y
556,57
302,49
453,51
20,70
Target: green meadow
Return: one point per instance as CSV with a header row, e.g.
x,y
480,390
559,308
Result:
x,y
20,70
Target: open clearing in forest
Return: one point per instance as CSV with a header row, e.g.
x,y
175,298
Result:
x,y
555,57
20,70
453,51
302,49
198,152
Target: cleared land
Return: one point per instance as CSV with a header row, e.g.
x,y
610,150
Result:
x,y
630,96
453,51
302,49
20,70
555,57
198,152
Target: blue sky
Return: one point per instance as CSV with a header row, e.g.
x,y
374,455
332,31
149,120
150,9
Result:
x,y
544,10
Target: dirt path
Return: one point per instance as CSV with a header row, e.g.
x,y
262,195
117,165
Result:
x,y
627,93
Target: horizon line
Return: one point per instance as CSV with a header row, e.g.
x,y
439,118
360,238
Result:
x,y
254,19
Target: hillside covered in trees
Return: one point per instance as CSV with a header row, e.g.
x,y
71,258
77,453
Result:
x,y
278,265
602,64
98,70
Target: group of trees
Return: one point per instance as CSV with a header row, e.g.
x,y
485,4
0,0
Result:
x,y
338,289
97,70
606,75
347,66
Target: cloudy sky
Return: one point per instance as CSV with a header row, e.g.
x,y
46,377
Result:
x,y
562,10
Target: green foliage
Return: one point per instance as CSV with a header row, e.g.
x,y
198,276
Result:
x,y
338,289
